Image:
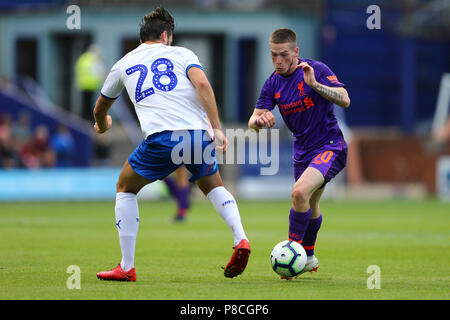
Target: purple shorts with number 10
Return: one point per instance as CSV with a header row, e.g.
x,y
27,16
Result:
x,y
329,159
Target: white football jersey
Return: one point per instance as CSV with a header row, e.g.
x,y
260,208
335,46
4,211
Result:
x,y
156,79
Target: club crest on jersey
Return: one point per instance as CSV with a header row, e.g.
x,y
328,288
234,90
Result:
x,y
301,89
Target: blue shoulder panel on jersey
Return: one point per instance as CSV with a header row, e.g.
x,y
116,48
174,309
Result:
x,y
106,97
190,66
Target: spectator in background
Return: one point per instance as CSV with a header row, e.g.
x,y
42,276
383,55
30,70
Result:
x,y
8,157
442,135
354,169
21,129
63,145
439,140
102,150
89,76
5,126
37,152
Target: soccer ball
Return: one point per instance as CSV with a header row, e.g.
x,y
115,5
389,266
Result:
x,y
288,258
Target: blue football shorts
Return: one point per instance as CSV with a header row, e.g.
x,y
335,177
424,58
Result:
x,y
163,152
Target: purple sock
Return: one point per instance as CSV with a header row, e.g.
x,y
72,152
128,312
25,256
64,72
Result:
x,y
298,223
173,189
310,237
183,197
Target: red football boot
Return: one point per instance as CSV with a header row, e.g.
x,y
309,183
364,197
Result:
x,y
117,274
238,260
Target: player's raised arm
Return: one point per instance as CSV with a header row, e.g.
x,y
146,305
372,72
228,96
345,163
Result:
x,y
103,121
337,95
208,100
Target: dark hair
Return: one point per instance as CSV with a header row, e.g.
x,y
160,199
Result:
x,y
283,35
155,23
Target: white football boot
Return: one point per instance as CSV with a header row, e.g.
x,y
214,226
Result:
x,y
312,264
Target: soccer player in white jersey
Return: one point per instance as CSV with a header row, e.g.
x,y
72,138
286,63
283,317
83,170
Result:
x,y
172,98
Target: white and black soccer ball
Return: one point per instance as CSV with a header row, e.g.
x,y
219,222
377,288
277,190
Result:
x,y
288,258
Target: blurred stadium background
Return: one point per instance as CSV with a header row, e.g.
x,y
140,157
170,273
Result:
x,y
396,78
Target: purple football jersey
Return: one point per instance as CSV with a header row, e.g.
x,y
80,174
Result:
x,y
306,113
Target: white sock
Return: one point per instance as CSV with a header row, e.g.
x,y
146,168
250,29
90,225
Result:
x,y
127,222
226,206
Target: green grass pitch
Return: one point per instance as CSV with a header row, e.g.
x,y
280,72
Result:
x,y
408,240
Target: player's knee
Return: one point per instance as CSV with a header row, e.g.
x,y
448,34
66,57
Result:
x,y
300,195
122,186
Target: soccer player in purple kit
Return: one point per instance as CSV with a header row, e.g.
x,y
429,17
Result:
x,y
180,190
305,91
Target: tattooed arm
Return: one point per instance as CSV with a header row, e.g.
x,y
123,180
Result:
x,y
337,95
